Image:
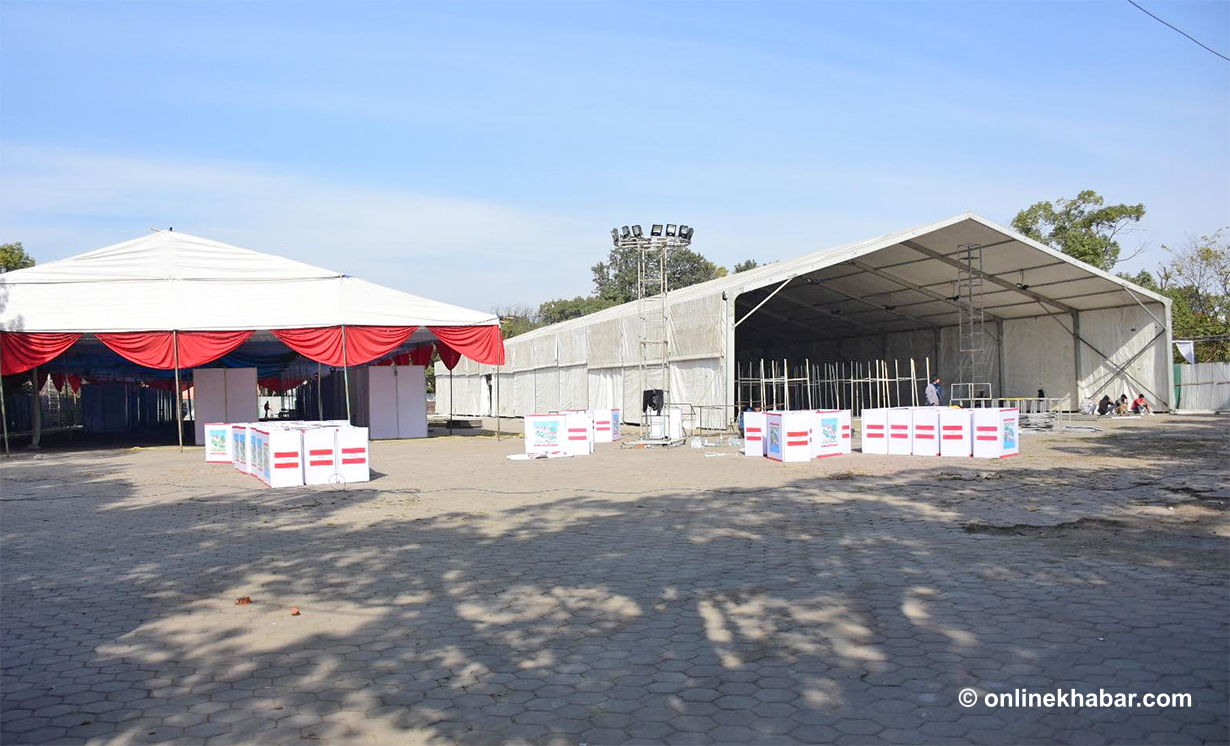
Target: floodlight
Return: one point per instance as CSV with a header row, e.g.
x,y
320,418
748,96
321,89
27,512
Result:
x,y
615,236
636,231
656,230
670,229
624,232
685,231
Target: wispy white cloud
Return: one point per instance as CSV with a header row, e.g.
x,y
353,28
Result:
x,y
465,251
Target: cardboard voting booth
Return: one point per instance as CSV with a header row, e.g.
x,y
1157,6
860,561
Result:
x,y
900,422
847,442
352,456
545,433
996,432
217,442
277,455
926,432
606,425
789,436
826,433
579,425
319,454
875,431
754,436
239,447
956,433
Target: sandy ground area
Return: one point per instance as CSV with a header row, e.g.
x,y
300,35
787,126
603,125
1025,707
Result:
x,y
677,596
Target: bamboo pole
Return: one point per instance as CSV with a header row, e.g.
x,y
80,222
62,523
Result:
x,y
179,404
913,384
897,379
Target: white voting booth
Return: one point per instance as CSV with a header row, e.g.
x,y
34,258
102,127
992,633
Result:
x,y
956,433
286,454
900,422
789,436
826,430
875,431
926,428
996,432
606,425
546,434
754,435
221,395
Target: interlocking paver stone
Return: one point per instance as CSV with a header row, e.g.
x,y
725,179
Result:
x,y
702,600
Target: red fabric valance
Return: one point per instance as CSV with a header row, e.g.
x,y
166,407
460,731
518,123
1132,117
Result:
x,y
448,355
151,349
323,345
199,348
156,349
482,344
421,355
363,343
74,382
21,351
366,343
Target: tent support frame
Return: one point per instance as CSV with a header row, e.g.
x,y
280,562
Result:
x,y
179,399
4,418
346,374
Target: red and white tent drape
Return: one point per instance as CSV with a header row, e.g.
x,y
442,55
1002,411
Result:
x,y
21,351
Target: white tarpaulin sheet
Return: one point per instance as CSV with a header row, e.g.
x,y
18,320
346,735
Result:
x,y
1039,355
1203,387
573,387
1137,363
606,388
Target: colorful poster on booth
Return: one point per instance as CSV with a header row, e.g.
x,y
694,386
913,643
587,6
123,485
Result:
x,y
774,431
547,432
1010,435
830,432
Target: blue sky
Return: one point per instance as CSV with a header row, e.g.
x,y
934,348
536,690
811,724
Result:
x,y
479,153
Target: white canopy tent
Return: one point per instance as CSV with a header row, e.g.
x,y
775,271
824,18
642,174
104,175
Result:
x,y
170,280
171,300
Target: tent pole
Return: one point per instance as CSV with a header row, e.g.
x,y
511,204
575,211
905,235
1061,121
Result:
x,y
4,418
320,399
36,411
450,401
179,399
497,403
346,374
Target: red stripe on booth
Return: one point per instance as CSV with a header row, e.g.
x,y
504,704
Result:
x,y
924,427
321,463
321,452
797,434
954,437
900,435
353,450
874,435
923,436
985,428
292,465
988,437
796,442
875,427
354,461
285,454
954,427
753,437
21,351
482,344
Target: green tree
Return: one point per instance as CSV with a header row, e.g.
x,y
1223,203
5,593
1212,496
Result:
x,y
745,265
13,256
615,279
1197,281
1083,227
563,309
517,319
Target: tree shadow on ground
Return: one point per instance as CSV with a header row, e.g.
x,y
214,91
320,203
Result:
x,y
837,608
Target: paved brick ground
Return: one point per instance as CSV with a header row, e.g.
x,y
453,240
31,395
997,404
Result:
x,y
629,597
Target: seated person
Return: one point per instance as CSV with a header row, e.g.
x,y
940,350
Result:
x,y
1121,406
1105,406
1141,405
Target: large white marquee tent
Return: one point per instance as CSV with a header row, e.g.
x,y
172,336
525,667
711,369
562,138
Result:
x,y
1057,324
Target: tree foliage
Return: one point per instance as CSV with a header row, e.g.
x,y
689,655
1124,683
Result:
x,y
745,265
615,279
13,256
563,309
1197,280
1083,227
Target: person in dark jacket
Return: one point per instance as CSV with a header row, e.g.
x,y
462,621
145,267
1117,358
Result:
x,y
1105,406
935,394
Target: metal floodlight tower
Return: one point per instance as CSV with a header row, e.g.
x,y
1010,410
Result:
x,y
652,287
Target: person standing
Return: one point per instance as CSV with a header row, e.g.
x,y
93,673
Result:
x,y
934,393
